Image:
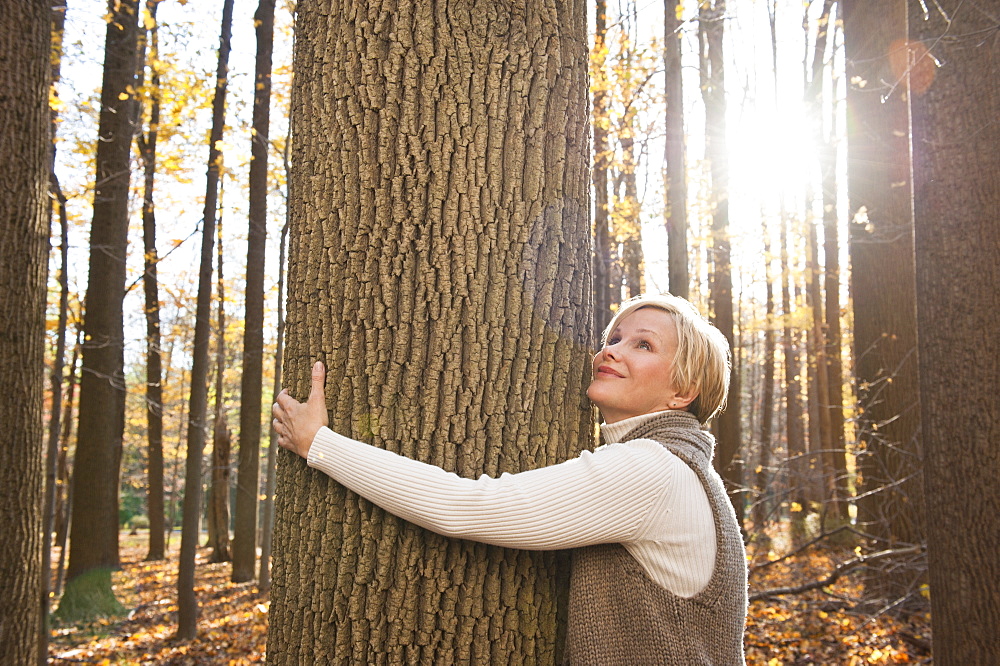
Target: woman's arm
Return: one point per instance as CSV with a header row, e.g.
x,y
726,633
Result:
x,y
600,497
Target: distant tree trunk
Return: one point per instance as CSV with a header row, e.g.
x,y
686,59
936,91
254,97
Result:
x,y
154,362
880,242
267,529
24,246
831,304
763,473
820,460
187,603
765,480
175,479
248,473
603,287
55,411
710,36
628,212
675,206
831,288
955,103
821,443
94,525
63,467
56,196
467,302
794,417
222,441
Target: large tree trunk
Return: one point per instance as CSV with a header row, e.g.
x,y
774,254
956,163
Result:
x,y
675,205
880,241
710,34
187,603
955,103
440,267
24,247
151,292
94,524
248,473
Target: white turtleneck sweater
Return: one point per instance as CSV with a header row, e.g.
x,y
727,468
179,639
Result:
x,y
635,493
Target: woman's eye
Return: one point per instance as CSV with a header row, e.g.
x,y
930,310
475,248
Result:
x,y
645,345
612,341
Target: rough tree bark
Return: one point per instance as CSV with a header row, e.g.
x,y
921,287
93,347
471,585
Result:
x,y
24,247
954,104
440,267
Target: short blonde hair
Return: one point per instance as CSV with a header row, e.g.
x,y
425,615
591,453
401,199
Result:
x,y
703,359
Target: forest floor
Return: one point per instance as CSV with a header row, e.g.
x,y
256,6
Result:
x,y
817,627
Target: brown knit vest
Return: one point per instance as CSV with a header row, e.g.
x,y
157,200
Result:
x,y
618,615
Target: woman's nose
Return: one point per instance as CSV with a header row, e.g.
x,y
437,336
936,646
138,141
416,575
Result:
x,y
610,351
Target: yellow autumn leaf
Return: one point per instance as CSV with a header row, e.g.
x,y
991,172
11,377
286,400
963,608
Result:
x,y
796,507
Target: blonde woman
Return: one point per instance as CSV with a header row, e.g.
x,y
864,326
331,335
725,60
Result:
x,y
659,571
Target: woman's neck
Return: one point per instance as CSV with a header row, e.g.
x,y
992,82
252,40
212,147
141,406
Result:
x,y
615,431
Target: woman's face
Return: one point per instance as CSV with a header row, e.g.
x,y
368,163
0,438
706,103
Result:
x,y
632,373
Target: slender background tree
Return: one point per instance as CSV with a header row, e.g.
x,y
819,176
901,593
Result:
x,y
187,602
94,523
248,475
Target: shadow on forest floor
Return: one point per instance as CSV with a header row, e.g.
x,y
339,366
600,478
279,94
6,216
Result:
x,y
818,627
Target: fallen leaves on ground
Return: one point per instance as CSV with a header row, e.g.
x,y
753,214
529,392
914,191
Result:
x,y
829,626
232,624
818,627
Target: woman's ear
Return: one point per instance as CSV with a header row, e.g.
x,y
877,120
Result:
x,y
682,401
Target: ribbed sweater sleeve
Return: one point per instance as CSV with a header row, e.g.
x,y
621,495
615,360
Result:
x,y
603,496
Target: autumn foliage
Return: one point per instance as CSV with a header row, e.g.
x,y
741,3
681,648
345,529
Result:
x,y
821,627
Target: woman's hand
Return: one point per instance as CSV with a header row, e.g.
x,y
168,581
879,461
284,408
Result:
x,y
297,423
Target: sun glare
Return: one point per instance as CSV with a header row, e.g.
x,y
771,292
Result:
x,y
771,155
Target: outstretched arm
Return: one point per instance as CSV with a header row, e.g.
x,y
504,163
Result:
x,y
599,497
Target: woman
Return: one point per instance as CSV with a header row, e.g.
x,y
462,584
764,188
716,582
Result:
x,y
659,574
